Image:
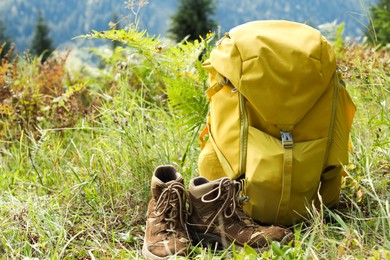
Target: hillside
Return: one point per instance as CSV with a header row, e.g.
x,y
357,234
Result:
x,y
70,18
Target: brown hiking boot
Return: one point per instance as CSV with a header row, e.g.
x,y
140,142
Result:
x,y
217,216
166,232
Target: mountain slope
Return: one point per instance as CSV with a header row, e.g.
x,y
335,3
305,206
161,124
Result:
x,y
69,18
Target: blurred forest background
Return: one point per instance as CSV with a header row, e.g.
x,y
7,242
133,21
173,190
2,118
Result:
x,y
67,19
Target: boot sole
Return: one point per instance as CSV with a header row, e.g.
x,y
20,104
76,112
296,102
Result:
x,y
148,255
199,238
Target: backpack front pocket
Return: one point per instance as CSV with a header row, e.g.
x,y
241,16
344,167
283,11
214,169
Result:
x,y
264,177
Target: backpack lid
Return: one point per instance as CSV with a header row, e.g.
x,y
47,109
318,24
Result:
x,y
281,67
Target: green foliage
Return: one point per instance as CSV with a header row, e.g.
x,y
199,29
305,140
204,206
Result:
x,y
378,31
339,39
42,43
192,19
37,96
171,74
95,182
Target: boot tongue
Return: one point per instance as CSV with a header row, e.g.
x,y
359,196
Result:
x,y
204,188
157,186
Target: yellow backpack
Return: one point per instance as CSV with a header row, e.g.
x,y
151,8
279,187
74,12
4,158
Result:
x,y
279,119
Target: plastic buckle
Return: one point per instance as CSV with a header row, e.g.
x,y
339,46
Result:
x,y
287,140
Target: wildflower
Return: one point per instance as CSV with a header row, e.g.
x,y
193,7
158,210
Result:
x,y
131,3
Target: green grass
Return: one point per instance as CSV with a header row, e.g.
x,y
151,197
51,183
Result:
x,y
81,191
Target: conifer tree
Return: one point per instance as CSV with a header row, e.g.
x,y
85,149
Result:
x,y
4,38
379,29
41,42
193,18
115,25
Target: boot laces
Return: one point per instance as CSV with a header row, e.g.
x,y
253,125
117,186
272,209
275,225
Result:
x,y
171,204
230,191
